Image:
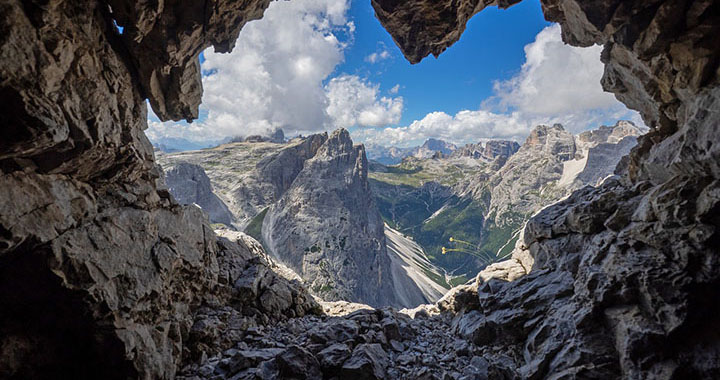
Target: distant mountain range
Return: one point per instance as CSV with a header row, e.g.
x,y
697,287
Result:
x,y
482,195
435,147
394,155
322,209
175,144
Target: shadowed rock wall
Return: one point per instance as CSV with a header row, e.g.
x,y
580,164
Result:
x,y
625,277
96,263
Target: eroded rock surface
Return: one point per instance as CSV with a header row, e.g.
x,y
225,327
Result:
x,y
91,252
189,184
622,274
364,344
625,277
333,235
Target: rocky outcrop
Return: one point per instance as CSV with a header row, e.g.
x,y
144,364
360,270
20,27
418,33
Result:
x,y
249,177
249,294
91,252
189,185
333,235
625,276
394,155
488,151
277,136
423,27
257,191
622,274
431,147
364,344
520,187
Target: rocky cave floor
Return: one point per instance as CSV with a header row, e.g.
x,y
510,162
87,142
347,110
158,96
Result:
x,y
364,344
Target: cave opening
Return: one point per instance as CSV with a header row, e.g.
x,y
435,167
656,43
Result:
x,y
47,330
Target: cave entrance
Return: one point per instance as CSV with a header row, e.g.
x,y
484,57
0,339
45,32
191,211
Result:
x,y
46,330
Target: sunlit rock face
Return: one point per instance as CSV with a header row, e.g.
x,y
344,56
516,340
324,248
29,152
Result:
x,y
624,276
333,235
101,273
104,276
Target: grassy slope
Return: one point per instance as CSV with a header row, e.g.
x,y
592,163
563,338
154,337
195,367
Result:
x,y
405,206
254,228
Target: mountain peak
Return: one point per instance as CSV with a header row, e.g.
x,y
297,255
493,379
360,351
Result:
x,y
439,145
338,142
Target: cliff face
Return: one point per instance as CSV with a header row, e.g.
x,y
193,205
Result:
x,y
622,274
624,277
520,186
189,185
488,151
91,252
310,204
332,235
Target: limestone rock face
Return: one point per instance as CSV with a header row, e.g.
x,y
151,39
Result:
x,y
189,184
163,41
488,151
520,185
100,270
255,178
625,276
424,27
333,235
622,274
249,177
431,147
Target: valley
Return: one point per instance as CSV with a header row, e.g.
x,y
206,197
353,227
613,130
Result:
x,y
421,226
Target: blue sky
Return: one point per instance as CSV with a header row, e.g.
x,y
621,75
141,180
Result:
x,y
316,65
491,48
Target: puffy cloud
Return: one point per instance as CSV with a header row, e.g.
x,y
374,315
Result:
x,y
377,56
465,126
557,83
395,89
354,102
556,78
274,78
274,75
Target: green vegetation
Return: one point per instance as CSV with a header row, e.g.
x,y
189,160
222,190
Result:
x,y
414,172
436,278
254,228
455,281
432,215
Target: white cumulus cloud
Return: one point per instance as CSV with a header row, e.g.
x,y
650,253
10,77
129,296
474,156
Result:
x,y
377,56
556,78
274,78
354,102
557,83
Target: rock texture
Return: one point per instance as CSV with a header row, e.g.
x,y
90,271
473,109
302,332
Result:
x,y
625,276
520,187
431,147
489,151
333,235
338,223
91,252
189,185
249,177
364,344
394,155
622,274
